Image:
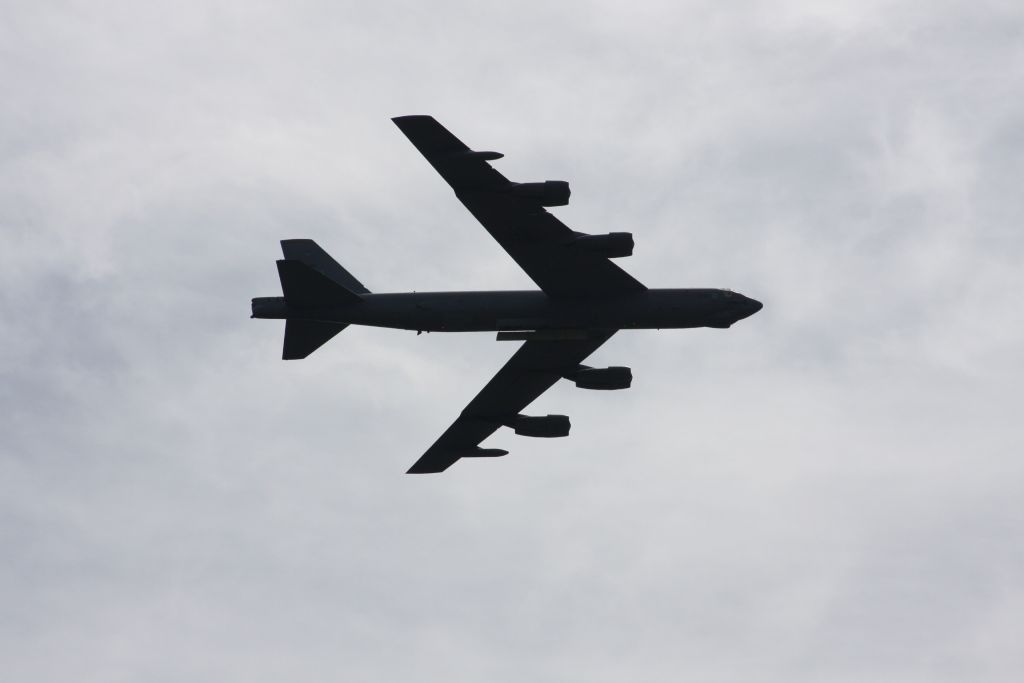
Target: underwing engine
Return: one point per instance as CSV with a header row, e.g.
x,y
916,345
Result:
x,y
611,245
617,377
544,426
548,193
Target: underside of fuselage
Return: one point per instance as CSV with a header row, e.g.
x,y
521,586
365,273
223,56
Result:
x,y
525,310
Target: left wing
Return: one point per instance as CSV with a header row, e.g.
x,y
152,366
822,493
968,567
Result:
x,y
531,371
562,262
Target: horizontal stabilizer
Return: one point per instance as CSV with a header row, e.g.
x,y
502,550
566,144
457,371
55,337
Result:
x,y
313,255
303,337
305,287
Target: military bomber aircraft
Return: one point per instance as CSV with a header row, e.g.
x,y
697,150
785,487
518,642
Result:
x,y
583,299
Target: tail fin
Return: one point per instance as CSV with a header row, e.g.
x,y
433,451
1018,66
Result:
x,y
310,279
304,287
303,337
310,253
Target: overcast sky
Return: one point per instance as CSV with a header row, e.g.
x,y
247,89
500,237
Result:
x,y
830,491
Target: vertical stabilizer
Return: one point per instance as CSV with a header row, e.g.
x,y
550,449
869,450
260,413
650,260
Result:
x,y
309,293
310,253
305,287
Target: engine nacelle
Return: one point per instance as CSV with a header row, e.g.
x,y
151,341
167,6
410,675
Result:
x,y
603,378
544,426
612,245
548,193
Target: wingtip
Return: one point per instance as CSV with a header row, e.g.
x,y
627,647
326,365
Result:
x,y
411,117
424,470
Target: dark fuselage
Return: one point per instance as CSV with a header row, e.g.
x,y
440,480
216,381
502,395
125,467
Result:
x,y
526,310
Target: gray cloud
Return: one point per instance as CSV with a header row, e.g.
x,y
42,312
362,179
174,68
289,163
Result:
x,y
827,492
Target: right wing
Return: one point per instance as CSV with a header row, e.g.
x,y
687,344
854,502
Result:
x,y
540,243
531,371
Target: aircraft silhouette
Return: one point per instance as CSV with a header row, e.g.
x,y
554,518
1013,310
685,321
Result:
x,y
583,299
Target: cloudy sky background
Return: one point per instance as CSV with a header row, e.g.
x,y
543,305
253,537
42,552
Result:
x,y
829,491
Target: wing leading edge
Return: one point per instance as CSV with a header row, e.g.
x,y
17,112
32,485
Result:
x,y
542,245
531,371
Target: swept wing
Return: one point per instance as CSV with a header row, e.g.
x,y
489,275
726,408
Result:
x,y
529,373
542,245
548,251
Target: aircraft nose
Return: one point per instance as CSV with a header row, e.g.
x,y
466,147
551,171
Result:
x,y
749,307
